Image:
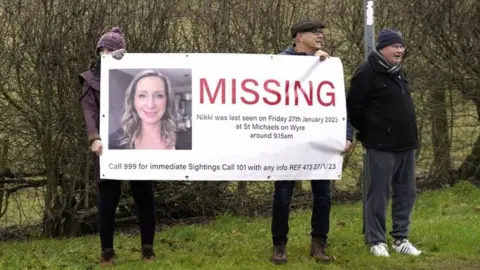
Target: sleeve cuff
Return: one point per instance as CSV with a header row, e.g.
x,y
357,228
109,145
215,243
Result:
x,y
94,136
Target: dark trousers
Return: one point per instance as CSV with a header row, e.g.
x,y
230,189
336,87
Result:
x,y
108,199
395,170
320,220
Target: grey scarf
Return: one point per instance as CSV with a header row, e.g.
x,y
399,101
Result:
x,y
389,68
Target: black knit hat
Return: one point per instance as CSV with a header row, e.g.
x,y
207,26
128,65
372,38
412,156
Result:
x,y
388,36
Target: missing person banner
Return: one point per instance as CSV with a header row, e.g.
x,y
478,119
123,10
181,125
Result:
x,y
224,117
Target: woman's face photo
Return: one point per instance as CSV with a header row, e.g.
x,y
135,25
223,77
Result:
x,y
150,99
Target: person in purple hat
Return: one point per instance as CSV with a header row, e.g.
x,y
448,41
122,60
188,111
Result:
x,y
381,109
113,42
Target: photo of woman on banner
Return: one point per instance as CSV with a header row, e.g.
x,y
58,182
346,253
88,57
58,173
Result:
x,y
148,115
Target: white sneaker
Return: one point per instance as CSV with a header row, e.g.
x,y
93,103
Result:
x,y
380,249
405,247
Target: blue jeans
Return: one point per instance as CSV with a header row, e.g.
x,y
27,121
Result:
x,y
320,220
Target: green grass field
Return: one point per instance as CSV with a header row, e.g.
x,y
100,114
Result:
x,y
445,226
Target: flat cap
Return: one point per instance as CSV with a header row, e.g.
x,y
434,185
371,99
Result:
x,y
305,26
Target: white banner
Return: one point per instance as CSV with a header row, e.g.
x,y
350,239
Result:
x,y
222,117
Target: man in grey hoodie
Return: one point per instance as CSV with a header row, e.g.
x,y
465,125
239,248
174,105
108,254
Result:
x,y
308,38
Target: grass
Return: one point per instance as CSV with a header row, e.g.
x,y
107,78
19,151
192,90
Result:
x,y
444,226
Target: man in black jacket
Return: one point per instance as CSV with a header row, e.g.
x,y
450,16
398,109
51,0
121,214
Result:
x,y
308,39
380,107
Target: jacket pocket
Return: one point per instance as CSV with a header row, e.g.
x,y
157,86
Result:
x,y
378,131
377,124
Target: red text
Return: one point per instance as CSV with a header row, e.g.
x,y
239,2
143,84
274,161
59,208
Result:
x,y
271,92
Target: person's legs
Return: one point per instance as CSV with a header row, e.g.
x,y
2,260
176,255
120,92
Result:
x,y
282,198
143,195
403,200
107,201
381,167
322,201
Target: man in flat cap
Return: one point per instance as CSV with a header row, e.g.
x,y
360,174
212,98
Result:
x,y
307,38
381,108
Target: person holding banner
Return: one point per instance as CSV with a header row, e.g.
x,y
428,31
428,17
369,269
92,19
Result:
x,y
308,38
380,107
109,191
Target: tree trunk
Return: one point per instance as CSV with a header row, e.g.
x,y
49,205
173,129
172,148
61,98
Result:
x,y
3,165
441,145
299,185
242,192
51,213
470,167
